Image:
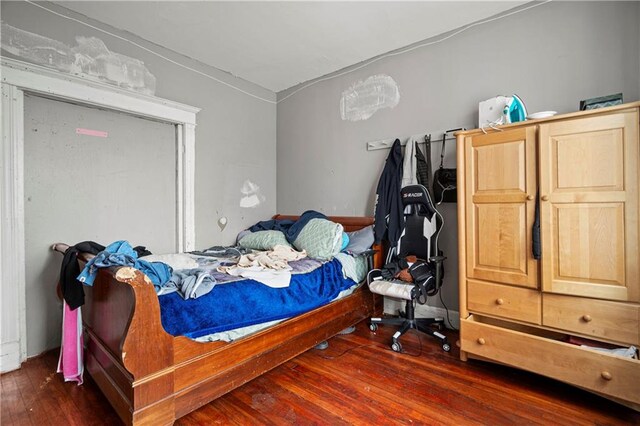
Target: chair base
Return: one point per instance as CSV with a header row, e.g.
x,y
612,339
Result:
x,y
408,322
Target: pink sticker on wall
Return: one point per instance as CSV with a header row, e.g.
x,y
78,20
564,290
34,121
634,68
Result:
x,y
89,132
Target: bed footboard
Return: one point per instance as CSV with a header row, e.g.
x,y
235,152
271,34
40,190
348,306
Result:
x,y
126,344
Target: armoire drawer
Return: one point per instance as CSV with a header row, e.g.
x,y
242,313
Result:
x,y
504,301
611,375
615,321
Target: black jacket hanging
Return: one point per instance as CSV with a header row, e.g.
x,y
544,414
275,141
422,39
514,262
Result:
x,y
71,288
389,218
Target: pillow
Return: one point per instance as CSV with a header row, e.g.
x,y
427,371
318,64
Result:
x,y
360,241
263,240
345,241
321,238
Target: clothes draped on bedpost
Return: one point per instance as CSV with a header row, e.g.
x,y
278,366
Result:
x,y
70,362
120,253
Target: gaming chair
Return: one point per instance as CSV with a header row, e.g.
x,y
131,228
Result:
x,y
419,238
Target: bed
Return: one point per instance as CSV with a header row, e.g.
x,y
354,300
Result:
x,y
152,377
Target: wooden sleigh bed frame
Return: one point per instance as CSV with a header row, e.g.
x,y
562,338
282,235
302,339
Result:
x,y
151,377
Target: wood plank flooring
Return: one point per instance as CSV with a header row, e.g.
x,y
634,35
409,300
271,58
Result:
x,y
357,380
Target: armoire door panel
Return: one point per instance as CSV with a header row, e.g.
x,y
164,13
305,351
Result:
x,y
492,176
501,174
589,206
591,161
589,245
502,239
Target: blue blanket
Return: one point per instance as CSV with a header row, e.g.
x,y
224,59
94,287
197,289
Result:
x,y
248,302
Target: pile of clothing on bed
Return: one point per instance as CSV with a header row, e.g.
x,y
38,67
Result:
x,y
278,269
269,252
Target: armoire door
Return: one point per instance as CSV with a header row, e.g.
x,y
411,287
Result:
x,y
500,171
589,206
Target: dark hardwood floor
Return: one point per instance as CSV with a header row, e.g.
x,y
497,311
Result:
x,y
357,380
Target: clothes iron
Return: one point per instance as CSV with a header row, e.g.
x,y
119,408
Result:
x,y
515,111
501,110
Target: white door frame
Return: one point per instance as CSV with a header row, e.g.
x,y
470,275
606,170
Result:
x,y
19,78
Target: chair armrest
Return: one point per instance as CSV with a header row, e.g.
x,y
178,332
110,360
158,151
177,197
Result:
x,y
439,268
369,254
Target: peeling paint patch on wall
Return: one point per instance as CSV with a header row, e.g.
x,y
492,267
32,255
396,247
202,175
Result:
x,y
89,58
365,98
251,195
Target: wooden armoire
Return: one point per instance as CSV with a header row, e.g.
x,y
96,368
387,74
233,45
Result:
x,y
572,180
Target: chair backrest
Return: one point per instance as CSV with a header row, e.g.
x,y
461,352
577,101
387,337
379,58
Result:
x,y
422,224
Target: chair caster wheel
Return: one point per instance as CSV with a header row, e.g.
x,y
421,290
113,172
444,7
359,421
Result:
x,y
446,347
373,327
396,347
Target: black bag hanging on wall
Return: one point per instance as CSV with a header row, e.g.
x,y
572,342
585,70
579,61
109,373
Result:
x,y
445,180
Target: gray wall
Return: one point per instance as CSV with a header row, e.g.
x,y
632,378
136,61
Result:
x,y
552,56
235,139
71,197
235,133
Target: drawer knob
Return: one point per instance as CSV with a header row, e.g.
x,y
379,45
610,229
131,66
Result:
x,y
499,301
586,318
481,341
545,198
606,375
530,197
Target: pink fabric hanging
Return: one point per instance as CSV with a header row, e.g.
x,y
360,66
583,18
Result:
x,y
70,363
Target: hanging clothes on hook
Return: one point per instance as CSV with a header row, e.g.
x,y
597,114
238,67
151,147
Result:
x,y
389,218
409,167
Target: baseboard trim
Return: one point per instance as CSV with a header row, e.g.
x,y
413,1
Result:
x,y
10,357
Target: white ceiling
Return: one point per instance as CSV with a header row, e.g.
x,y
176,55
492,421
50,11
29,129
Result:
x,y
280,44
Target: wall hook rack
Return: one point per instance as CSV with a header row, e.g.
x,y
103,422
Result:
x,y
419,137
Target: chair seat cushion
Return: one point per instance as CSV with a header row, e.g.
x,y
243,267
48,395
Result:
x,y
399,289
